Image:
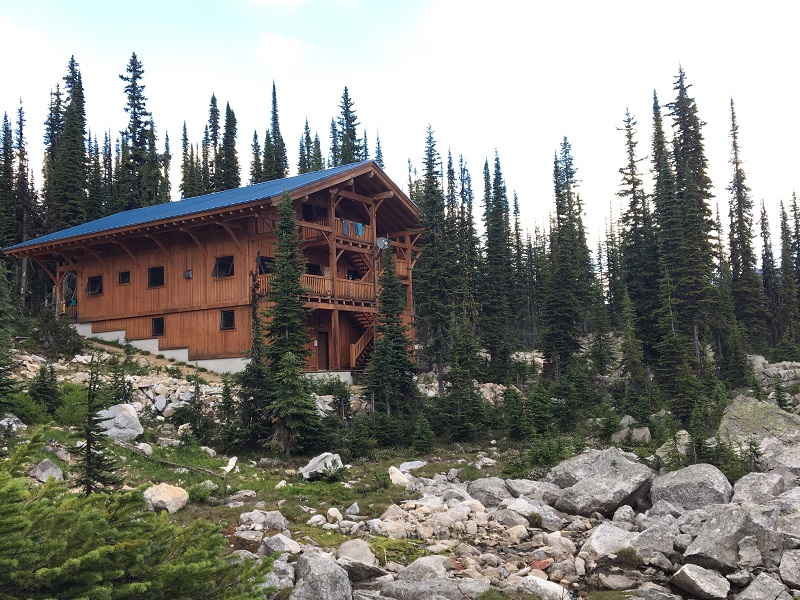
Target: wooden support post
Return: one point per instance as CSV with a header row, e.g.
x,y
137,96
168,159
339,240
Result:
x,y
336,363
332,257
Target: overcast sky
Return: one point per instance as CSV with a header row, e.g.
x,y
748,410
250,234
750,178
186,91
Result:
x,y
512,77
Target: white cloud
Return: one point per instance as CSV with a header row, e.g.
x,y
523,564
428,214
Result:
x,y
282,55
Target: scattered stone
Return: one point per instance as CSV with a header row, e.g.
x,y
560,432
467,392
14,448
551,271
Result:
x,y
121,422
412,465
435,589
489,491
47,469
279,543
231,464
424,568
765,587
11,424
272,519
145,448
166,497
790,568
353,509
397,477
703,583
324,463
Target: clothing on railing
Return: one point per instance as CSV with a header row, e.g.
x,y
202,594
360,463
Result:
x,y
345,227
359,229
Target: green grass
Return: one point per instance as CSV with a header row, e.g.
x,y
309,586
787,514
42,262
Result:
x,y
403,552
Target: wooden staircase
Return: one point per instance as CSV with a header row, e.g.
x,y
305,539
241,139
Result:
x,y
361,351
360,263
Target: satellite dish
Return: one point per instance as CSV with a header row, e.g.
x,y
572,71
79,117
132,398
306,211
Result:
x,y
382,242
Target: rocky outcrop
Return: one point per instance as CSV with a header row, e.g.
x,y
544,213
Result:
x,y
775,431
703,583
320,577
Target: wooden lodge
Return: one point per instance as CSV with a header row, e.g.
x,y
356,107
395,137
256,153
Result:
x,y
175,278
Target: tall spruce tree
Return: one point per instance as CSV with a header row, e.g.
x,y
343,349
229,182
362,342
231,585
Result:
x,y
95,467
769,279
291,409
789,315
256,165
433,274
6,183
389,378
638,245
281,163
378,151
689,265
135,138
229,173
746,288
351,147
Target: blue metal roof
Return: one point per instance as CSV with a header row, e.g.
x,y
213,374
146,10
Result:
x,y
189,206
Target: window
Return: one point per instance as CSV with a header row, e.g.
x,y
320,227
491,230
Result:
x,y
157,327
155,277
223,267
94,285
308,212
124,277
266,265
227,319
312,269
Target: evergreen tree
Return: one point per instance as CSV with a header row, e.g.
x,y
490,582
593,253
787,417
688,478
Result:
x,y
638,242
256,166
600,342
268,166
136,138
769,280
351,147
335,155
689,266
433,273
44,389
6,183
254,380
291,409
746,289
8,383
95,468
424,437
27,221
378,151
306,151
281,163
389,378
65,202
229,174
212,145
567,299
635,379
228,431
317,162
789,315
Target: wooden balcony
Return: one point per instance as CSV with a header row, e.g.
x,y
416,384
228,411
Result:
x,y
308,233
321,287
355,231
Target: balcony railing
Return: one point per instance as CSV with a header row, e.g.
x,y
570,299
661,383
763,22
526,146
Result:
x,y
354,230
322,286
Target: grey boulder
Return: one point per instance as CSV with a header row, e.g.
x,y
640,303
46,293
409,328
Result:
x,y
703,583
765,587
692,487
489,491
320,577
47,469
121,422
317,466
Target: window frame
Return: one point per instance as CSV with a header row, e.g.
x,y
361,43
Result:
x,y
98,279
263,261
119,278
153,328
227,312
221,261
151,271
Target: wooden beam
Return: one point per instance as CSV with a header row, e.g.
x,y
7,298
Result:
x,y
235,239
96,255
160,245
357,197
196,241
50,274
128,251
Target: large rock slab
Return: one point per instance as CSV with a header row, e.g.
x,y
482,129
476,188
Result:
x,y
776,431
549,493
606,539
615,480
703,583
279,543
765,587
11,424
358,550
324,463
424,568
571,471
121,422
489,491
790,568
692,487
734,537
47,469
759,488
320,577
535,587
267,519
166,497
452,589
